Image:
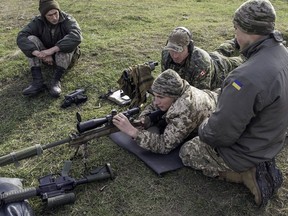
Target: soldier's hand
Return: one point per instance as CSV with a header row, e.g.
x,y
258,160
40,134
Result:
x,y
124,125
48,60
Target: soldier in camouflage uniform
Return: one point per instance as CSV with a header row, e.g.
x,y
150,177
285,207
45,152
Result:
x,y
240,140
51,38
186,107
201,69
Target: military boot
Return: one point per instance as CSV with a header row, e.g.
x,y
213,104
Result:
x,y
37,84
231,176
258,181
55,88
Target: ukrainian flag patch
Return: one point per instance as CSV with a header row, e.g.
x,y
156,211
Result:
x,y
236,84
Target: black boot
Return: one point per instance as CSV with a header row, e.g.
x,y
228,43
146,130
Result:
x,y
55,88
37,84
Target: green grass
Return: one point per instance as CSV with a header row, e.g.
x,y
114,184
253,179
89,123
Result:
x,y
117,34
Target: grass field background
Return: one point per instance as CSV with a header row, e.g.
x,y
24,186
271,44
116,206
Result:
x,y
117,34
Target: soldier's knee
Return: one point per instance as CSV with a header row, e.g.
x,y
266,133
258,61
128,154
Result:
x,y
33,38
187,152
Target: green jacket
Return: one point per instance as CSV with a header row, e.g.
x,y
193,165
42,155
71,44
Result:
x,y
198,68
67,34
205,70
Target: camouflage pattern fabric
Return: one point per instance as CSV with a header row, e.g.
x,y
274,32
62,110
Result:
x,y
229,48
204,70
255,17
182,118
61,59
179,38
200,156
223,66
135,82
168,83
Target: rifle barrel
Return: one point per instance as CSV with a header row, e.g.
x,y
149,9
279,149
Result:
x,y
31,151
18,195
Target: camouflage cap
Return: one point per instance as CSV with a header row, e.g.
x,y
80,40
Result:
x,y
255,17
168,83
178,39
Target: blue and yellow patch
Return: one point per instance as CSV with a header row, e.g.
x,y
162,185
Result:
x,y
238,85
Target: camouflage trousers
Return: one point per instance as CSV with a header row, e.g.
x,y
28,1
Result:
x,y
229,48
200,156
60,59
226,58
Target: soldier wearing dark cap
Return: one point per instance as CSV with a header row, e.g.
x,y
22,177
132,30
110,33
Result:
x,y
185,108
201,69
241,139
51,38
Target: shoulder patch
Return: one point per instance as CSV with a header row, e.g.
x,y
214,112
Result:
x,y
237,84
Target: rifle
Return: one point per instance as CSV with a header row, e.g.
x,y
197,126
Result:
x,y
56,190
87,130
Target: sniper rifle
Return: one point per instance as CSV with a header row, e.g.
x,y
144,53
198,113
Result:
x,y
87,130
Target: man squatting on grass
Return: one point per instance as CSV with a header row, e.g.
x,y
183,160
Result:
x,y
240,140
51,38
203,70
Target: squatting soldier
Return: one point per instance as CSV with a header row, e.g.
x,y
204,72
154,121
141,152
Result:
x,y
201,69
51,38
186,107
240,140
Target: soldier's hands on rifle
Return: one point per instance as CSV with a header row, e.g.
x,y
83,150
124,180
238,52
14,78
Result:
x,y
124,125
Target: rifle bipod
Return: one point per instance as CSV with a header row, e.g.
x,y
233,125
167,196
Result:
x,y
84,154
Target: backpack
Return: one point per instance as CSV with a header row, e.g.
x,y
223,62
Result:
x,y
136,81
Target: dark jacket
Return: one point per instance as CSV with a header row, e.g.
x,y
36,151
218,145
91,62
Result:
x,y
67,34
251,118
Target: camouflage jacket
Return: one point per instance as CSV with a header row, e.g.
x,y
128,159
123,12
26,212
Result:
x,y
205,70
198,68
67,34
182,118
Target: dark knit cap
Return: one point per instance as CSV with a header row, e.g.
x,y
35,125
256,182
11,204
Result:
x,y
47,5
168,83
255,17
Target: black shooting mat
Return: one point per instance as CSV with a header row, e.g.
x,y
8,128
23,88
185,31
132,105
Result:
x,y
160,163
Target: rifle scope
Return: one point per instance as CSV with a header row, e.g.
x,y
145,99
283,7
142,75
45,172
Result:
x,y
97,122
